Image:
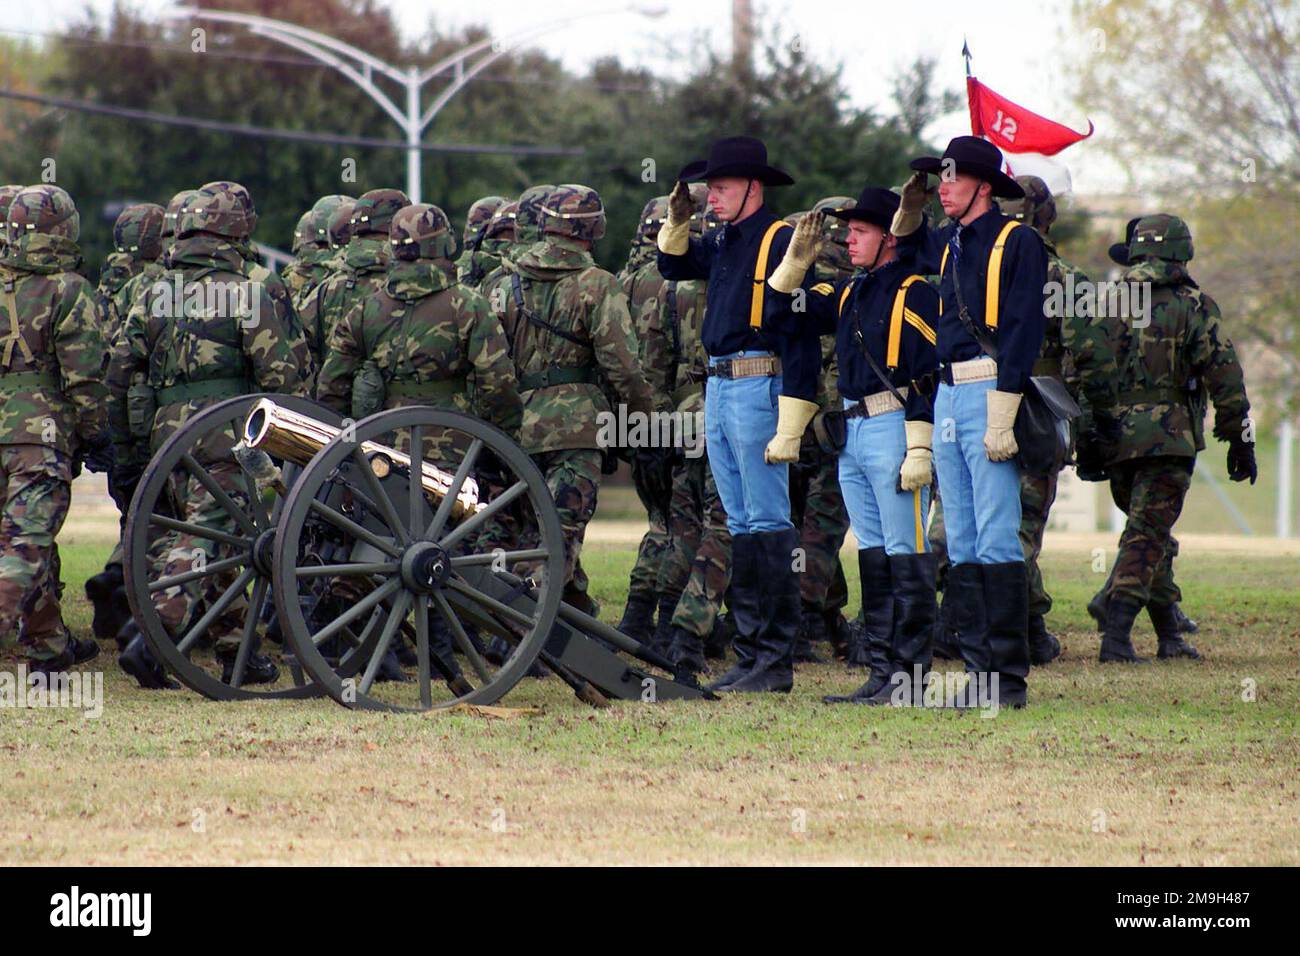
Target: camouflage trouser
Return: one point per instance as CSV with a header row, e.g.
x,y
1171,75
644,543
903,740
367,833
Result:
x,y
573,477
697,569
1151,492
35,489
818,511
1036,497
655,543
181,552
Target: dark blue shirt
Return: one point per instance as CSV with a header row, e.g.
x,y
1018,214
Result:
x,y
727,257
1021,323
869,307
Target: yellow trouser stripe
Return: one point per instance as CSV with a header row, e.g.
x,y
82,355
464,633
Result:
x,y
920,528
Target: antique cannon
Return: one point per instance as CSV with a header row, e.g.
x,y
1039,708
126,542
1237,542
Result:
x,y
316,546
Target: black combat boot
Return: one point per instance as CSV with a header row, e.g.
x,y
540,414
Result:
x,y
107,594
945,638
259,669
1185,623
869,646
812,631
773,667
745,601
1168,633
638,617
837,633
1117,639
686,652
1043,645
1006,603
138,661
661,637
77,652
719,639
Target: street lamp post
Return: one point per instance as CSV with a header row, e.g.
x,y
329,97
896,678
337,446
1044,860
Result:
x,y
360,67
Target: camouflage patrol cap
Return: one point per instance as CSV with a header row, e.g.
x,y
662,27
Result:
x,y
1038,208
173,213
44,209
574,210
219,212
528,215
375,209
652,218
421,231
502,223
138,231
1161,237
339,224
480,214
240,199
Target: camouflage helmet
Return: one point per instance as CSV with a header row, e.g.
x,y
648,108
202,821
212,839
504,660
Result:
x,y
1037,208
421,231
502,223
303,234
836,230
220,213
339,224
238,198
138,231
652,219
1161,237
173,213
375,209
528,215
44,209
575,211
480,214
703,217
7,194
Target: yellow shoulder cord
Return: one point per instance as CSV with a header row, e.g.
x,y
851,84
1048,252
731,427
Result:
x,y
760,274
844,297
993,282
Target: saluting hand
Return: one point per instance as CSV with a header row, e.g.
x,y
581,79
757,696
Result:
x,y
680,204
910,208
807,239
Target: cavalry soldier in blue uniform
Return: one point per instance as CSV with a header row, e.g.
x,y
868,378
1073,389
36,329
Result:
x,y
883,319
991,325
758,399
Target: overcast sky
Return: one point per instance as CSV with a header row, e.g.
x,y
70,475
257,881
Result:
x,y
1021,48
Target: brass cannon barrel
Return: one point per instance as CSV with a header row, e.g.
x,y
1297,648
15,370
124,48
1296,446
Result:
x,y
278,431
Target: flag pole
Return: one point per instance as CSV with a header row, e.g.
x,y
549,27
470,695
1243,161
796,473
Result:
x,y
965,51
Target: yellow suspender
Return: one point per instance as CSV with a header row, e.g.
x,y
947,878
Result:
x,y
896,321
993,282
760,274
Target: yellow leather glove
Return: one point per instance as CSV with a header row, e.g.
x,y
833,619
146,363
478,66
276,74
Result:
x,y
915,472
800,254
675,234
793,416
909,215
999,439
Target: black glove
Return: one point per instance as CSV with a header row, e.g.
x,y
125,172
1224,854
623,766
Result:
x,y
99,455
1241,461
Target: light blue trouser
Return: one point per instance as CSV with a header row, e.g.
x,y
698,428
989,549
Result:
x,y
879,513
981,498
739,420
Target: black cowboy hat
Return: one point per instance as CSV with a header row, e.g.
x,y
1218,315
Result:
x,y
977,157
1119,251
876,205
742,156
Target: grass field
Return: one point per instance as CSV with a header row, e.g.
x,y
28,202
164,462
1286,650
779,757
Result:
x,y
1169,764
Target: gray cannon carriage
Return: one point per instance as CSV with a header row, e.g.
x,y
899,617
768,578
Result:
x,y
327,556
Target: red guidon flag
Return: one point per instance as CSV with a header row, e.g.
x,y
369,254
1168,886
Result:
x,y
1014,129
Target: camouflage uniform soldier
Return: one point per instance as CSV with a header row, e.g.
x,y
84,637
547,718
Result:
x,y
423,339
479,257
651,471
1166,365
137,240
7,194
568,327
364,268
51,365
527,229
225,337
498,236
311,244
815,498
170,218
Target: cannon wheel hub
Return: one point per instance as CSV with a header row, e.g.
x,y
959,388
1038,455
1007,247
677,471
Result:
x,y
425,567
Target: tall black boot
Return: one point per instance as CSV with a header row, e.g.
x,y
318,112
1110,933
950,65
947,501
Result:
x,y
745,603
1006,602
945,637
963,603
870,643
773,668
1043,645
1169,633
638,617
1117,638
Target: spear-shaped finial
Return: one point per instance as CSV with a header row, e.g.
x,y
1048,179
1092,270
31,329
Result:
x,y
965,51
